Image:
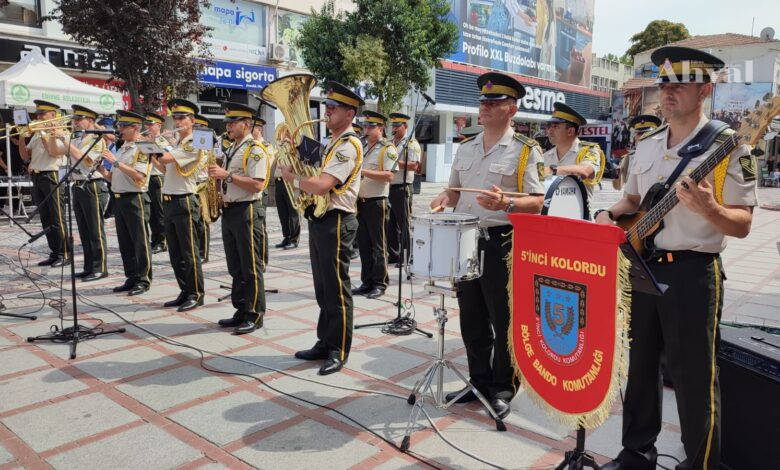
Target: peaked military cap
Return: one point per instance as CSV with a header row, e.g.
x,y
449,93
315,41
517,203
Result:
x,y
42,106
258,121
153,118
341,95
645,122
237,111
357,128
372,118
684,65
399,118
471,131
82,111
126,118
497,86
564,113
201,120
180,107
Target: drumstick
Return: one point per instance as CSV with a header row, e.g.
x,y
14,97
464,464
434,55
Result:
x,y
437,209
483,191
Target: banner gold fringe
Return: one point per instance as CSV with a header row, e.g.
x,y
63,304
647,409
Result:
x,y
597,416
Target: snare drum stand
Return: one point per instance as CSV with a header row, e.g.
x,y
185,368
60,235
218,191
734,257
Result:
x,y
435,372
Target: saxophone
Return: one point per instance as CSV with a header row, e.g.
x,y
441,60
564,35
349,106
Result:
x,y
209,194
290,95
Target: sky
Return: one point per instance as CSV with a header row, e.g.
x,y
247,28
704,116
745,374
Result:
x,y
617,20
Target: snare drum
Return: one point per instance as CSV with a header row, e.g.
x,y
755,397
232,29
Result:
x,y
444,246
565,196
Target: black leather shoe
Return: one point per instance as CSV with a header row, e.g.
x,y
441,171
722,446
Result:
x,y
94,276
290,245
633,460
248,326
375,293
60,261
159,248
332,363
313,354
48,261
189,304
229,322
467,398
501,407
282,243
138,289
82,274
613,465
176,302
363,289
124,287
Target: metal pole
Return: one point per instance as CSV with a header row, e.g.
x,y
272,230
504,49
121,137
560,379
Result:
x,y
10,174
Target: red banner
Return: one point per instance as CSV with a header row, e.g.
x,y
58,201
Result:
x,y
570,297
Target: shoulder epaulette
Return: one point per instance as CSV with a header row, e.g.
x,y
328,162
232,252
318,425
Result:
x,y
525,139
468,139
654,131
386,143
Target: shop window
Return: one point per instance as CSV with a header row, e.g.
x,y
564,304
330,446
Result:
x,y
23,12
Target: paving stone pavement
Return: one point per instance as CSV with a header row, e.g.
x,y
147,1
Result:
x,y
133,401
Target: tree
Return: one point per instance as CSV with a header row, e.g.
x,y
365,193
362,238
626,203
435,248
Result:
x,y
390,45
657,33
627,59
150,43
612,57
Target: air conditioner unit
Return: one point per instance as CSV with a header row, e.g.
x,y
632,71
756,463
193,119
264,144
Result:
x,y
279,53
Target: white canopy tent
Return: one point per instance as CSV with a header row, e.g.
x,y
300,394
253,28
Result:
x,y
35,78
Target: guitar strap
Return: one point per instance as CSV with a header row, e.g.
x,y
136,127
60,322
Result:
x,y
697,146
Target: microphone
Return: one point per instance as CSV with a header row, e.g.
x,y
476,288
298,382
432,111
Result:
x,y
40,234
99,131
428,98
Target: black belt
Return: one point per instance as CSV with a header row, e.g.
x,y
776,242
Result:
x,y
39,172
238,203
399,185
672,256
367,199
127,194
499,230
172,197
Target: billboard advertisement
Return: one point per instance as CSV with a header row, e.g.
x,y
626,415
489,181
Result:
x,y
288,29
548,39
238,30
734,100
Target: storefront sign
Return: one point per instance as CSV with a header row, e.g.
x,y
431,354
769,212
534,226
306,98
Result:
x,y
233,75
67,57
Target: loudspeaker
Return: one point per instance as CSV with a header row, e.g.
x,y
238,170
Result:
x,y
749,362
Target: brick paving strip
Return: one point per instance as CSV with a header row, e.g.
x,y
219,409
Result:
x,y
133,401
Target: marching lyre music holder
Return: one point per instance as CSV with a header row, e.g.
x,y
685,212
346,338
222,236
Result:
x,y
75,333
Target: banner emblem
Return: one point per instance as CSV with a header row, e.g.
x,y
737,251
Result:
x,y
561,318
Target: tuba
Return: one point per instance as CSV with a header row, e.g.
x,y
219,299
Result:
x,y
290,95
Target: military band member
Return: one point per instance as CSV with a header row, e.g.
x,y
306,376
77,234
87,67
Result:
x,y
640,125
400,192
379,165
258,124
289,218
46,154
496,160
682,323
361,133
129,181
154,123
182,208
331,235
204,225
570,155
90,193
242,179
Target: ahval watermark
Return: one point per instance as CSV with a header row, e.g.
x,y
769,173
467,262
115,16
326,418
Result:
x,y
694,73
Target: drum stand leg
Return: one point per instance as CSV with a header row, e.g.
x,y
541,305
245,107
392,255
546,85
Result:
x,y
435,372
230,292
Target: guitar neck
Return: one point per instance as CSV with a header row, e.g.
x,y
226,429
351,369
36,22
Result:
x,y
670,200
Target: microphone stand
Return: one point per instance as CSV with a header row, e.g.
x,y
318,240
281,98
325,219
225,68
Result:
x,y
75,333
403,260
32,239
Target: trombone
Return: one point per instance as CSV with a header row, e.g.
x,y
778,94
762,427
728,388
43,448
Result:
x,y
26,130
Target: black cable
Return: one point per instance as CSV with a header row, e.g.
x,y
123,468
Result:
x,y
676,460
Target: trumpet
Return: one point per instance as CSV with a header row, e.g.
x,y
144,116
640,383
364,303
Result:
x,y
27,130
